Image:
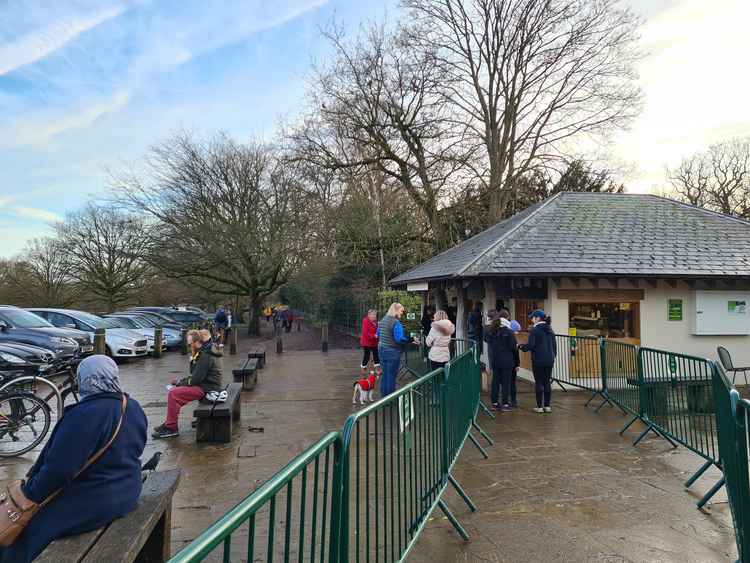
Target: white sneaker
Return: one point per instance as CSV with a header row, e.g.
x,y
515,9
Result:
x,y
547,409
538,409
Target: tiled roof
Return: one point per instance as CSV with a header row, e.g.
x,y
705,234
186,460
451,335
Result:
x,y
600,234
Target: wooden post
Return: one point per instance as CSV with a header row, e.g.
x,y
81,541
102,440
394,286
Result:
x,y
157,341
183,342
233,341
279,341
324,335
100,343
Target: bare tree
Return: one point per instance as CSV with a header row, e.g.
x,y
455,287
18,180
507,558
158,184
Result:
x,y
718,178
530,77
104,251
230,218
375,111
42,274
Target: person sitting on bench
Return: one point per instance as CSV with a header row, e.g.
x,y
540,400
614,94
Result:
x,y
205,376
89,472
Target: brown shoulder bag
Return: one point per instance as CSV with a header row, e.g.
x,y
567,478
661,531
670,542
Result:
x,y
16,510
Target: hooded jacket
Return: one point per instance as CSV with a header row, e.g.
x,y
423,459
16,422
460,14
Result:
x,y
439,340
502,345
542,345
205,369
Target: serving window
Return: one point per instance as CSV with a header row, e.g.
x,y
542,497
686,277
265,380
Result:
x,y
605,319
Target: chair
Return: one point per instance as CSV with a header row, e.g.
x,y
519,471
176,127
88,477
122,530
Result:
x,y
726,363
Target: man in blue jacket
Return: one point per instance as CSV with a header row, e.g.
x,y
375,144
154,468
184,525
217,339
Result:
x,y
543,348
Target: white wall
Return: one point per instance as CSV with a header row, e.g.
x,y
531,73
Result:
x,y
656,330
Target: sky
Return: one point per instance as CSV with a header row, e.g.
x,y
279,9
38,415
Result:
x,y
87,86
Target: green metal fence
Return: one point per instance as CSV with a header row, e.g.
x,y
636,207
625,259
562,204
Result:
x,y
292,516
620,365
733,425
578,363
366,493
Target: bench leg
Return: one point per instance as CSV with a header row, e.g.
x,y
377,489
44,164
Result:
x,y
222,428
157,548
237,409
204,430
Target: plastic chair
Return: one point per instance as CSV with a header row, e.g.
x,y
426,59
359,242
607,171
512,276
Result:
x,y
726,363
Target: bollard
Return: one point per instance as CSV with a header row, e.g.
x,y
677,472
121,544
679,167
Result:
x,y
279,342
299,325
100,345
158,341
183,342
324,336
232,342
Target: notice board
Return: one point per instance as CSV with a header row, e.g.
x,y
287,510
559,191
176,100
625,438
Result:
x,y
721,313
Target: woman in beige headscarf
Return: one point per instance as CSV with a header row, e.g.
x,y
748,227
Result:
x,y
439,339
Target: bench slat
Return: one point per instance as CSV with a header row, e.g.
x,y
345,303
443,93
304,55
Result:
x,y
71,549
124,538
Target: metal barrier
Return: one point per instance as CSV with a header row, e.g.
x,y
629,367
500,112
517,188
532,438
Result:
x,y
578,364
383,474
733,425
293,515
620,366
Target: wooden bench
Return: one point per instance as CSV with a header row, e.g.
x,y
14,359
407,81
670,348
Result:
x,y
247,375
215,419
258,353
143,536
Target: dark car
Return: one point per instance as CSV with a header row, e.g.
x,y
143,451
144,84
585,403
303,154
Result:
x,y
156,318
18,359
17,325
186,319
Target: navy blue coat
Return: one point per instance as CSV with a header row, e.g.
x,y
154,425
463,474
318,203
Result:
x,y
107,490
542,346
503,348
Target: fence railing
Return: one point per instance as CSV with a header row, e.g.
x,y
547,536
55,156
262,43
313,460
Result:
x,y
291,516
363,494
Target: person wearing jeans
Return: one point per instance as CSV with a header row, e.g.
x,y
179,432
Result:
x,y
205,376
543,348
391,338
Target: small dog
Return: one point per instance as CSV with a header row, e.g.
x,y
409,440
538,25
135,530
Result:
x,y
364,388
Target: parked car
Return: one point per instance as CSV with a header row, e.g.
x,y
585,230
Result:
x,y
171,337
186,318
157,318
120,342
18,359
18,325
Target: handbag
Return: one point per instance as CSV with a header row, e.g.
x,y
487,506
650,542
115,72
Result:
x,y
16,510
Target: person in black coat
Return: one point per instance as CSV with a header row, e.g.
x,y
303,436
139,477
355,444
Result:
x,y
504,360
109,488
543,348
475,325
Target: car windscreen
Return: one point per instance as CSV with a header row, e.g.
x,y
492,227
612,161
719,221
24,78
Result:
x,y
22,319
122,322
93,320
142,321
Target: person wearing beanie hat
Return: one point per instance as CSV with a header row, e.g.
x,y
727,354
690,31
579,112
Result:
x,y
543,348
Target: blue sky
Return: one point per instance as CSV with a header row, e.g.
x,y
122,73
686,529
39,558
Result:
x,y
87,85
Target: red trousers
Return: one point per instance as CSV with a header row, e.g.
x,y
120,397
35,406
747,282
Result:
x,y
177,398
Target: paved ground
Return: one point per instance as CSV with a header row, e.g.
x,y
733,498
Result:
x,y
558,487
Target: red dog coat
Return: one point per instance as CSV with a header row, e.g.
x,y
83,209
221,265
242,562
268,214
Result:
x,y
366,384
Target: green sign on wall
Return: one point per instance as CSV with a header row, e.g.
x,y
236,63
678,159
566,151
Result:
x,y
674,309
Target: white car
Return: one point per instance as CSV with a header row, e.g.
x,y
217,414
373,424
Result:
x,y
120,342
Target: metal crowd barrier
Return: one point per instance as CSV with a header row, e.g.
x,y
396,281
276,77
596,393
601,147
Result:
x,y
578,364
290,516
366,493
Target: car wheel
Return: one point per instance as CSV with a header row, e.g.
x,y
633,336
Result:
x,y
107,351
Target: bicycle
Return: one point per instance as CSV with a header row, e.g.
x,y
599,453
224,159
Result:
x,y
24,422
32,383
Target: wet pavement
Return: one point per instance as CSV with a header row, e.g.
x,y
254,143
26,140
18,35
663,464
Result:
x,y
557,487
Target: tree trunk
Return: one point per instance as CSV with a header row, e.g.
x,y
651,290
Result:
x,y
253,316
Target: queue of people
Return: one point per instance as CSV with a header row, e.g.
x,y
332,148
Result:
x,y
383,342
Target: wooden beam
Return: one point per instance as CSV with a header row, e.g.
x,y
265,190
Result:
x,y
594,282
652,282
575,281
601,295
612,282
557,281
671,283
690,283
633,281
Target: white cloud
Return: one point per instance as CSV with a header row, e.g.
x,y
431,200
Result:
x,y
694,85
39,43
36,214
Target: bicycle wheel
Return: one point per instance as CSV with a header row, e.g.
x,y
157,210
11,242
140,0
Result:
x,y
24,422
